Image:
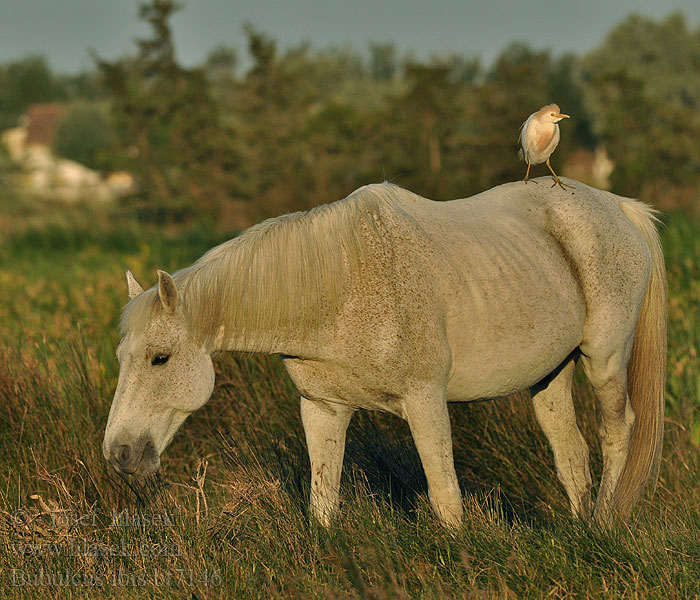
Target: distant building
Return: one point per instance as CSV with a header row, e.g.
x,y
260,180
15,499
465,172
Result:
x,y
42,122
31,146
36,132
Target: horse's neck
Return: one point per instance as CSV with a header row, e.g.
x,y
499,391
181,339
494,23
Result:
x,y
281,288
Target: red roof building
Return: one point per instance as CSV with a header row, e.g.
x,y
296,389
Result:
x,y
42,123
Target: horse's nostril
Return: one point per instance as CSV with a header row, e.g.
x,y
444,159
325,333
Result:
x,y
122,456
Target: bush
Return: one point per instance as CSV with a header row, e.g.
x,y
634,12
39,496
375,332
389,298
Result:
x,y
83,132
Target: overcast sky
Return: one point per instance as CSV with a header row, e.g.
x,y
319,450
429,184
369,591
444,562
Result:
x,y
65,30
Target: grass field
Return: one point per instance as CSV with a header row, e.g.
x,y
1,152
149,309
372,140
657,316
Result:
x,y
228,516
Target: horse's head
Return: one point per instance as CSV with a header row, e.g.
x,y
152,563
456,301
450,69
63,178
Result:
x,y
164,375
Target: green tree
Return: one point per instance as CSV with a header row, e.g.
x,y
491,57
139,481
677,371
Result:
x,y
565,89
648,143
643,91
24,82
83,133
664,55
419,137
169,124
283,110
382,61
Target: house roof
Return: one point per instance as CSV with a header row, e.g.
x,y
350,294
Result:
x,y
42,122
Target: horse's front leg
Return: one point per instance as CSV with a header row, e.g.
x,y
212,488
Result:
x,y
325,424
429,421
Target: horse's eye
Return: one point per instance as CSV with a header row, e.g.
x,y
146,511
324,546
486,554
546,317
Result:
x,y
160,359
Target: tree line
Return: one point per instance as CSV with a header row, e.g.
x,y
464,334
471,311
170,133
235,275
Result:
x,y
303,126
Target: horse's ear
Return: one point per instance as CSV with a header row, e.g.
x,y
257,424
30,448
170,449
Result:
x,y
132,285
167,291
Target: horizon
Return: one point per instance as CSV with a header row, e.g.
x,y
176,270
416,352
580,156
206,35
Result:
x,y
66,34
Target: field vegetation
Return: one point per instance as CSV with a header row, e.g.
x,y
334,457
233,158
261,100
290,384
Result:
x,y
228,516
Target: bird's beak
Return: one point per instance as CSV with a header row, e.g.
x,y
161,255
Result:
x,y
561,116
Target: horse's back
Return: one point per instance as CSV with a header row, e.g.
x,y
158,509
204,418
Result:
x,y
520,268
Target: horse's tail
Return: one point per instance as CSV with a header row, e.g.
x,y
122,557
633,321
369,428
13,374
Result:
x,y
646,371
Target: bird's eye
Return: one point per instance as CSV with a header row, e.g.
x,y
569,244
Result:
x,y
160,359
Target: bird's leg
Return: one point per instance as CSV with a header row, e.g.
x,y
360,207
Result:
x,y
556,178
527,174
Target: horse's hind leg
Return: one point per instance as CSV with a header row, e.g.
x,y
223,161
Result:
x,y
607,373
554,409
325,425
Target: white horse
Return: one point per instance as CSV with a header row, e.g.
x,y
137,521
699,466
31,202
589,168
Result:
x,y
389,301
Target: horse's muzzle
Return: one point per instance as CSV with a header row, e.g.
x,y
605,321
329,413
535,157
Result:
x,y
139,458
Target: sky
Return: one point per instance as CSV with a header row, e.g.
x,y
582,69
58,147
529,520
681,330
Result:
x,y
65,31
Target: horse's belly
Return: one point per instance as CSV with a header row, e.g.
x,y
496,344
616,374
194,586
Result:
x,y
512,341
504,369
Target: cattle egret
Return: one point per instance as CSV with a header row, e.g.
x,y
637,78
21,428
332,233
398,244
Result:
x,y
539,136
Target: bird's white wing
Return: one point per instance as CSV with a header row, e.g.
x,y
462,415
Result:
x,y
522,139
555,138
524,127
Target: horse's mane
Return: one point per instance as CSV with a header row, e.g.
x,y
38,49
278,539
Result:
x,y
288,272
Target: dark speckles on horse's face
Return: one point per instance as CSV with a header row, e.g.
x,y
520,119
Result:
x,y
153,396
